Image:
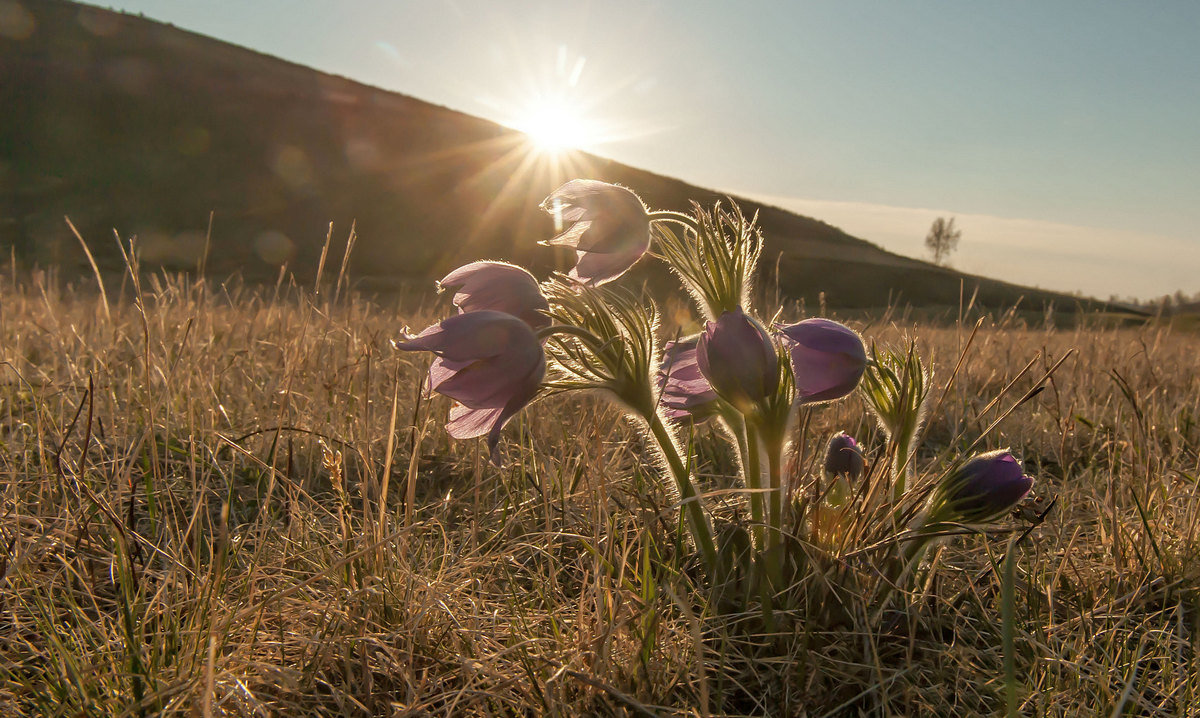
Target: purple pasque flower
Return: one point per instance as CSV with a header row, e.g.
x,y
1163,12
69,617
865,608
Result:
x,y
610,230
983,489
683,390
736,355
498,286
828,359
843,457
491,363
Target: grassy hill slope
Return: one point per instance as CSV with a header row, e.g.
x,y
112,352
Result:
x,y
122,122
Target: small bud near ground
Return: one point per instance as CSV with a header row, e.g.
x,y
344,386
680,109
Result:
x,y
983,489
843,457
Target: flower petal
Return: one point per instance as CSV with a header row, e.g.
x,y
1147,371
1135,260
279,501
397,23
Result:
x,y
498,286
490,362
492,383
469,336
441,369
608,220
828,359
582,199
467,423
596,268
682,387
823,377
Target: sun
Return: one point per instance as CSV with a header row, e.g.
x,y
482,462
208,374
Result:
x,y
553,127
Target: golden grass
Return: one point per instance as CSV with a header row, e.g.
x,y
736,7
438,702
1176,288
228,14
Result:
x,y
194,521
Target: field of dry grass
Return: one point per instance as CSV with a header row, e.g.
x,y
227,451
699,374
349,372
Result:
x,y
225,500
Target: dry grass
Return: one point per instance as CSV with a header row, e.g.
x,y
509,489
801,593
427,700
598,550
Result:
x,y
211,504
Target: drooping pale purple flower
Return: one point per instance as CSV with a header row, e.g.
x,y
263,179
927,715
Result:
x,y
490,362
736,355
843,457
828,359
610,230
984,488
683,390
498,286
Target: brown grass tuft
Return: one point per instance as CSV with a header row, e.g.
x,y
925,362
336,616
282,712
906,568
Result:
x,y
192,521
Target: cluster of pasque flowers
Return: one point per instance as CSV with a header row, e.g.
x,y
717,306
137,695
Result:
x,y
514,338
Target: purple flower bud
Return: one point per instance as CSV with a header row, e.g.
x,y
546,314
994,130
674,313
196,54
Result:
x,y
490,362
610,230
983,489
498,286
683,390
828,359
843,457
736,355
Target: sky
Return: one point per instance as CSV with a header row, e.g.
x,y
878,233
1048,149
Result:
x,y
1064,136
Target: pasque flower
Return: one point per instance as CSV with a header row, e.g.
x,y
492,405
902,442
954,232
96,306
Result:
x,y
828,359
984,488
843,457
491,363
683,390
498,286
736,355
610,230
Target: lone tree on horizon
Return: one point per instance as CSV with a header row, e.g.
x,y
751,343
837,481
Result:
x,y
942,239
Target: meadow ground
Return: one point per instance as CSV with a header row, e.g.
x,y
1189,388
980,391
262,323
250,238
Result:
x,y
212,504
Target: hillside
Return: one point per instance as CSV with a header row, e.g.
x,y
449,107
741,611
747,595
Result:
x,y
122,122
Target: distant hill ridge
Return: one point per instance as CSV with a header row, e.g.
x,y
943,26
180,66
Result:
x,y
122,122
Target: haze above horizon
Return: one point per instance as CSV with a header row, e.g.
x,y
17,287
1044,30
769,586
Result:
x,y
1062,136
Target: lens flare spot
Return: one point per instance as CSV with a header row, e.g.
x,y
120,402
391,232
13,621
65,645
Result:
x,y
16,23
555,127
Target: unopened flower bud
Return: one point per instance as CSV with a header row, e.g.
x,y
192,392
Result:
x,y
828,359
843,457
737,356
981,490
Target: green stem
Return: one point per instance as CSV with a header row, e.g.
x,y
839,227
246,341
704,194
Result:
x,y
737,427
773,444
1008,629
774,448
693,511
754,483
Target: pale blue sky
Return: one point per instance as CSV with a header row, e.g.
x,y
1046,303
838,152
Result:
x,y
1065,135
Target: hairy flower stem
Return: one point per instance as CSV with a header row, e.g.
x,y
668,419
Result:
x,y
766,508
735,424
773,444
753,478
737,427
774,449
693,510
